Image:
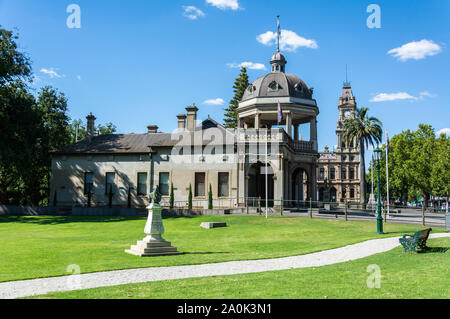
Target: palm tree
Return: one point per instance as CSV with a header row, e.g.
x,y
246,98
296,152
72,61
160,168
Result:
x,y
365,130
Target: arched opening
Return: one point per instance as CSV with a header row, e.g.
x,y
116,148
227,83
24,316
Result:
x,y
257,183
300,185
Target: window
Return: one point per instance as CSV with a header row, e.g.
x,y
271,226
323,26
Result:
x,y
164,187
344,158
322,174
352,144
352,173
332,173
343,145
223,185
142,184
352,158
352,193
274,86
110,178
344,173
200,184
88,182
344,193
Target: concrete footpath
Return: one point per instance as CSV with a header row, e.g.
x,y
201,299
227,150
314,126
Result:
x,y
26,288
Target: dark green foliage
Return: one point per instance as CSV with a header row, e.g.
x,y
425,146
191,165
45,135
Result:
x,y
106,129
172,197
210,198
239,87
190,197
14,65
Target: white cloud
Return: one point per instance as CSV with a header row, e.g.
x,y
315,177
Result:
x,y
426,94
52,73
382,97
289,41
416,50
248,65
192,12
79,77
445,131
224,4
217,101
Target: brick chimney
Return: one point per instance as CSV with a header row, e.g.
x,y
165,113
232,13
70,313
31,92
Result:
x,y
152,129
90,130
191,117
181,122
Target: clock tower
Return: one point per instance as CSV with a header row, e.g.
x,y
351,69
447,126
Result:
x,y
346,107
338,178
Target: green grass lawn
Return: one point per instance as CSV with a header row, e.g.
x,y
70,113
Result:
x,y
403,276
34,247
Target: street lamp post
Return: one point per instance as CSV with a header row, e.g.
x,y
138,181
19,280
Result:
x,y
379,217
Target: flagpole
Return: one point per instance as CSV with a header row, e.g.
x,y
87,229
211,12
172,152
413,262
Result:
x,y
267,173
372,196
387,173
278,33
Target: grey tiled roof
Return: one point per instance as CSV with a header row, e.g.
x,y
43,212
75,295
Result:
x,y
208,133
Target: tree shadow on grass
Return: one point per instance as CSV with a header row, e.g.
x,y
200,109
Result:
x,y
439,250
56,220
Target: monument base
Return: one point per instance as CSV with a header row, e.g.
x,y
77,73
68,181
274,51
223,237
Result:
x,y
152,247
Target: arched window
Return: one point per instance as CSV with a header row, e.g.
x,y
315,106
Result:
x,y
274,86
352,193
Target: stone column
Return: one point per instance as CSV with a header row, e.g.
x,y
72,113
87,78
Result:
x,y
313,183
313,133
296,132
257,121
289,124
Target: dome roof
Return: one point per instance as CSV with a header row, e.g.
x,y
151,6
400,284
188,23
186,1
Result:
x,y
278,57
277,84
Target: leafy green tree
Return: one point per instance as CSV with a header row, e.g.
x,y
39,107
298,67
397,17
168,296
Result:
x,y
14,65
365,130
210,198
440,174
21,133
190,197
421,163
77,130
239,87
172,197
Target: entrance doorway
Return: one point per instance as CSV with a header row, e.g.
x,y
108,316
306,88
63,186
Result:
x,y
257,183
300,185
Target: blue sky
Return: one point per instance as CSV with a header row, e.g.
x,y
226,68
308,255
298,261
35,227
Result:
x,y
137,63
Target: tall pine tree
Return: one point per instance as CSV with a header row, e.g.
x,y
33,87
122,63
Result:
x,y
240,85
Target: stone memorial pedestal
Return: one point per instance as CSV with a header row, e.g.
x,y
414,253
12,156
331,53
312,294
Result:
x,y
153,244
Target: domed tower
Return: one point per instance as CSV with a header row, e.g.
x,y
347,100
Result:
x,y
277,99
272,111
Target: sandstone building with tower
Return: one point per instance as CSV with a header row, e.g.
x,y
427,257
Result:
x,y
198,156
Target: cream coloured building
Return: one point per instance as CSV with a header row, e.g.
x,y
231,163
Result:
x,y
265,149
